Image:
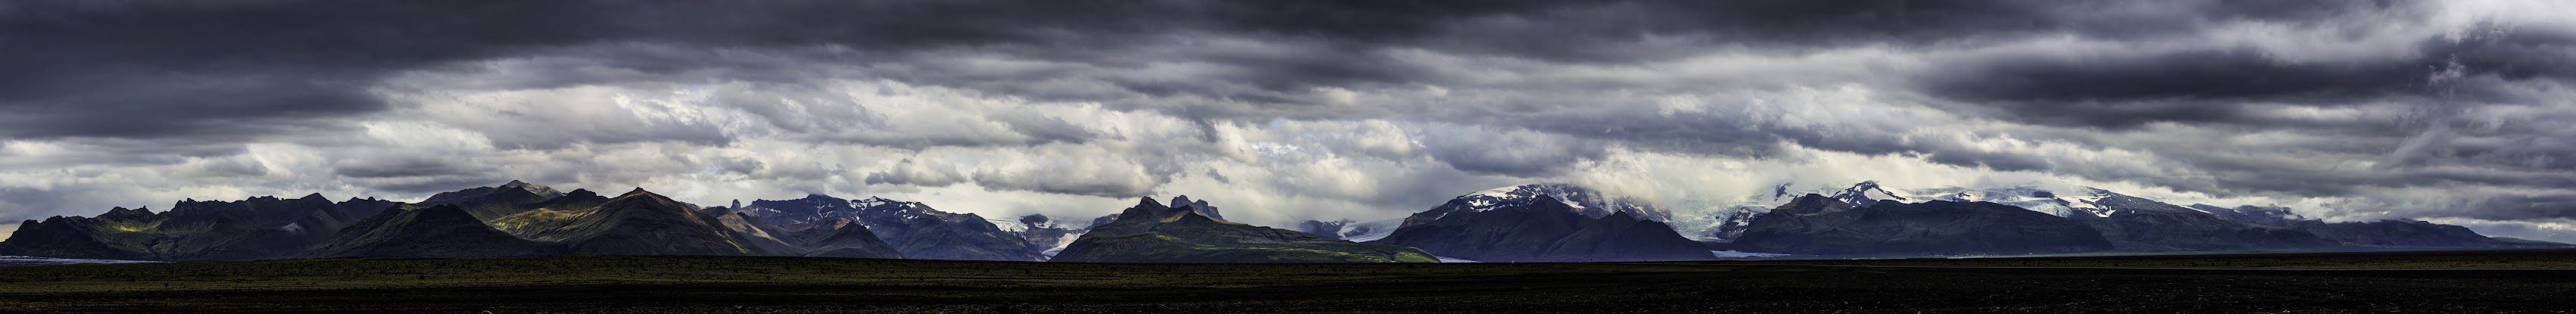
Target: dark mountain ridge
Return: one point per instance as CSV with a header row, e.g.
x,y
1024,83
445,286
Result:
x,y
1820,225
1152,232
264,227
2138,224
1538,228
912,228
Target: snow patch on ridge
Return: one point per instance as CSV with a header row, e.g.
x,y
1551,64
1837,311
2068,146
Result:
x,y
1583,200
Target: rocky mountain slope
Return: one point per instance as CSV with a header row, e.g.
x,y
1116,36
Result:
x,y
1152,232
912,228
642,223
2382,233
438,231
263,227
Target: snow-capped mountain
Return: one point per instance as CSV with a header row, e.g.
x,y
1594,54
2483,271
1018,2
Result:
x,y
1866,193
1530,224
2052,201
915,229
1820,225
1585,201
2131,223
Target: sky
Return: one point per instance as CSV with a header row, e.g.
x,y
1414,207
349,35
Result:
x,y
1284,111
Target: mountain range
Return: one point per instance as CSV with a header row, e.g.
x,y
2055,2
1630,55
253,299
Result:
x,y
1525,223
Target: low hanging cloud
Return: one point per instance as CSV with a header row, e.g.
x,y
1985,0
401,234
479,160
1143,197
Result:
x,y
1286,111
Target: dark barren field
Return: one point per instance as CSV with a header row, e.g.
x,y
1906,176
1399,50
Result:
x,y
2541,281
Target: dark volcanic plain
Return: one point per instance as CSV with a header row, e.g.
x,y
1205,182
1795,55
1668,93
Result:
x,y
2447,282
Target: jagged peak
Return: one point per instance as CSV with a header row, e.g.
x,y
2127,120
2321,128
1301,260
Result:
x,y
639,191
514,184
1193,215
1811,200
1579,199
1862,194
585,192
878,199
121,212
1148,202
314,196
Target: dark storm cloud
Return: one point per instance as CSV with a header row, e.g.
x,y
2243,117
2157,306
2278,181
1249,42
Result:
x,y
2185,86
197,69
2528,206
2127,89
150,69
223,71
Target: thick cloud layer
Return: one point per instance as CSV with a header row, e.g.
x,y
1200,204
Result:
x,y
1293,110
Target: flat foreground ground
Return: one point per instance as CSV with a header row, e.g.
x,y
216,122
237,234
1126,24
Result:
x,y
2538,281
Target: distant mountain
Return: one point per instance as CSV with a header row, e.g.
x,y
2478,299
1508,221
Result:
x,y
467,195
2138,224
1152,232
489,203
2382,233
2052,201
263,227
1731,225
642,223
1531,225
439,231
814,208
1821,225
850,240
926,233
1581,200
1865,194
1199,206
759,233
1728,220
1044,234
913,228
531,218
